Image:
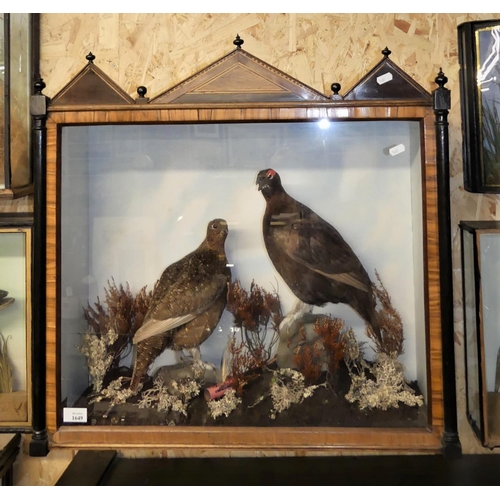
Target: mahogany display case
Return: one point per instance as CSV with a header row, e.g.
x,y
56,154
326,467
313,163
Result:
x,y
130,184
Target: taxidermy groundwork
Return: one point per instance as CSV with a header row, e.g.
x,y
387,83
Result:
x,y
305,369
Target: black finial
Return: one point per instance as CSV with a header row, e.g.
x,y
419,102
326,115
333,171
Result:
x,y
386,52
39,85
90,57
238,41
142,91
441,79
335,88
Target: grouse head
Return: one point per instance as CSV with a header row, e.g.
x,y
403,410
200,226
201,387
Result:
x,y
269,182
216,233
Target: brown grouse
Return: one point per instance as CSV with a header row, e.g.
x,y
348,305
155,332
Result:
x,y
310,254
188,301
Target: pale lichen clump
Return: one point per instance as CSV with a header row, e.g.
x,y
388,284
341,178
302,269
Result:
x,y
159,397
288,387
99,359
225,405
386,387
114,393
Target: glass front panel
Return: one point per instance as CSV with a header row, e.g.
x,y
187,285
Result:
x,y
488,74
471,333
140,346
19,92
15,121
2,97
490,312
14,326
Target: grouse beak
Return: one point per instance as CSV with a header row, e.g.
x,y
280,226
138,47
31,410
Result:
x,y
260,182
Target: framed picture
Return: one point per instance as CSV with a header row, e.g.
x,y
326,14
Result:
x,y
15,325
479,54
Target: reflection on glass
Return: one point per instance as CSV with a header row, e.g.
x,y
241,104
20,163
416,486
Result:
x,y
488,81
490,292
15,121
2,91
471,334
19,98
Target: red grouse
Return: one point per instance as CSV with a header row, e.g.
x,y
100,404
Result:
x,y
188,301
310,254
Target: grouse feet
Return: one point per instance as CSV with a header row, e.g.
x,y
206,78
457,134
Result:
x,y
298,310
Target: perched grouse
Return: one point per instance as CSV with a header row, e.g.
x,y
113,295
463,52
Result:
x,y
310,254
188,301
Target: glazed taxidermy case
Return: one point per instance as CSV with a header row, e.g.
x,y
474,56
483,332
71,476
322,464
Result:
x,y
182,231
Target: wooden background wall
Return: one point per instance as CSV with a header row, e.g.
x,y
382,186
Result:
x,y
160,50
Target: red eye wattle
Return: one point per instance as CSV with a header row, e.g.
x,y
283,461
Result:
x,y
270,174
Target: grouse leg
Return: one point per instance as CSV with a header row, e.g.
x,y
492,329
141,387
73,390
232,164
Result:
x,y
198,362
297,311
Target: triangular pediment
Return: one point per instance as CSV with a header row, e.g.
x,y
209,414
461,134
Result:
x,y
387,81
91,87
245,80
239,77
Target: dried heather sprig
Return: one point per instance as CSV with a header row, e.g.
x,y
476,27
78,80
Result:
x,y
111,327
391,341
254,312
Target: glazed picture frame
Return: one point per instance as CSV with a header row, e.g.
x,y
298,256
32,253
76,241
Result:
x,y
479,43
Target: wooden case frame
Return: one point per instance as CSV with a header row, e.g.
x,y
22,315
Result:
x,y
21,401
240,87
484,424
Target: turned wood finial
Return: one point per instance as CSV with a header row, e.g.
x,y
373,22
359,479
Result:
x,y
39,85
90,57
238,41
441,95
441,79
386,52
335,88
142,91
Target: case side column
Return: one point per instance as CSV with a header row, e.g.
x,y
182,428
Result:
x,y
451,446
39,446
